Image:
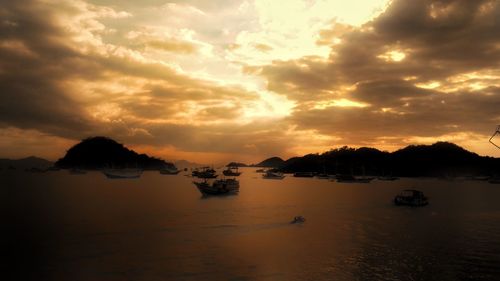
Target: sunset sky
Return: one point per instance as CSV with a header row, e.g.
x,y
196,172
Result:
x,y
212,81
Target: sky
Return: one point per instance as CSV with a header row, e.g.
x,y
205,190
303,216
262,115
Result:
x,y
243,80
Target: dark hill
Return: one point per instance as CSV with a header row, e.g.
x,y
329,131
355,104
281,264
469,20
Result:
x,y
26,163
236,164
439,159
183,164
273,162
102,152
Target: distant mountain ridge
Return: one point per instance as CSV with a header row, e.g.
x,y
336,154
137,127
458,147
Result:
x,y
183,164
273,162
236,164
103,152
438,159
26,163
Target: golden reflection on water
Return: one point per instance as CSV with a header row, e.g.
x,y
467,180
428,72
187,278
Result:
x,y
86,227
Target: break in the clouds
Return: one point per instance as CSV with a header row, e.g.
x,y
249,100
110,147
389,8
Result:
x,y
242,80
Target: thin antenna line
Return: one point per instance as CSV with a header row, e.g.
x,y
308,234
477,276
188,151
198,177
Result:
x,y
496,133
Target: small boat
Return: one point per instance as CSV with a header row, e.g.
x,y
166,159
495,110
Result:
x,y
298,219
53,168
303,174
168,170
387,178
480,178
231,172
353,179
127,173
77,171
323,176
218,187
411,197
274,175
364,179
494,180
204,173
260,170
35,170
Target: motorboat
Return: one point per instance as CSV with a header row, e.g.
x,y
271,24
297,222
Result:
x,y
303,174
353,179
231,171
323,176
275,175
77,171
387,178
494,180
204,173
169,170
411,197
126,173
218,187
298,219
480,178
35,170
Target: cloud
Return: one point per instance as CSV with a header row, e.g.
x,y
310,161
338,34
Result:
x,y
424,68
59,76
249,77
32,63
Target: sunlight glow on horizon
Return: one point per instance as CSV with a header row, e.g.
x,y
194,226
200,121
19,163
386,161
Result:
x,y
251,77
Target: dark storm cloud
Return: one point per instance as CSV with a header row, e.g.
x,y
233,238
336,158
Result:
x,y
32,61
388,93
63,72
38,59
434,115
447,37
440,39
303,79
464,36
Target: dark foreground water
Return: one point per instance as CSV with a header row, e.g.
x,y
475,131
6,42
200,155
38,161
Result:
x,y
86,227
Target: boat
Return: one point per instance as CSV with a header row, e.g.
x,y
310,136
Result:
x,y
231,171
260,170
127,173
35,170
204,173
323,176
353,179
77,171
494,180
411,197
480,178
169,170
274,175
298,219
303,174
364,179
218,187
387,178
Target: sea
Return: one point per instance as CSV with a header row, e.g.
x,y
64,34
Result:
x,y
62,226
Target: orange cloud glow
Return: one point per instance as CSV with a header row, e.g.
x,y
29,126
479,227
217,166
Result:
x,y
222,80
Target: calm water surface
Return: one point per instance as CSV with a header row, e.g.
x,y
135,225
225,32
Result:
x,y
158,227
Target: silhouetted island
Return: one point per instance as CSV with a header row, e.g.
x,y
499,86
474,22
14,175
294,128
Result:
x,y
442,159
26,163
103,152
273,162
236,164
